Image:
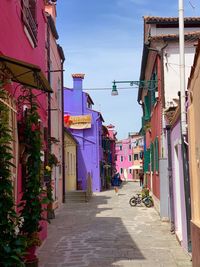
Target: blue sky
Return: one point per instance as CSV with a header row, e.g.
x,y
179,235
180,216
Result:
x,y
104,39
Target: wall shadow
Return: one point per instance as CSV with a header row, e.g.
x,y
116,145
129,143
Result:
x,y
88,234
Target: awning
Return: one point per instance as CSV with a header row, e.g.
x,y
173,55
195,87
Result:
x,y
24,73
135,167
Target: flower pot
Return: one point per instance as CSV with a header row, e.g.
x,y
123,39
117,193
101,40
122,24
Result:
x,y
31,259
32,263
30,256
50,211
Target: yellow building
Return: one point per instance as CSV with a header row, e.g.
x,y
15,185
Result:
x,y
70,162
194,155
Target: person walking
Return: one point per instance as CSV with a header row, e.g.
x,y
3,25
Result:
x,y
116,182
141,175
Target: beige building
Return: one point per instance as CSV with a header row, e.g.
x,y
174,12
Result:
x,y
137,144
70,162
194,155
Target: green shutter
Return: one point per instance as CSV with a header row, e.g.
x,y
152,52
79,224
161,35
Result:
x,y
146,107
156,154
152,157
146,160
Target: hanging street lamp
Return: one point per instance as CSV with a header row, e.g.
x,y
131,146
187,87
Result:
x,y
150,85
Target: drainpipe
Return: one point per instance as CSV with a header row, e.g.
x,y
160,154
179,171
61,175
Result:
x,y
186,177
63,135
171,192
182,100
62,57
50,212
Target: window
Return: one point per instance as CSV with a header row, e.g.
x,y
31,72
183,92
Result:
x,y
141,155
29,18
121,158
135,156
130,158
121,170
89,105
130,171
115,157
153,87
120,147
60,159
67,163
74,164
71,168
129,146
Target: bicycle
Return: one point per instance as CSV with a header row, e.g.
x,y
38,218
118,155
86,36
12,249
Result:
x,y
147,200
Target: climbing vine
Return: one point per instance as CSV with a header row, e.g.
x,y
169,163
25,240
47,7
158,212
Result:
x,y
12,245
33,196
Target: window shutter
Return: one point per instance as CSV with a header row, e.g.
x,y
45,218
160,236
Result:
x,y
156,155
146,160
32,7
152,157
146,107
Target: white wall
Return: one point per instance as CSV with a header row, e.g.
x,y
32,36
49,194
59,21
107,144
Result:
x,y
171,70
161,31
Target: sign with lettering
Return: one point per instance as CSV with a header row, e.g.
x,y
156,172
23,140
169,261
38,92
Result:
x,y
78,122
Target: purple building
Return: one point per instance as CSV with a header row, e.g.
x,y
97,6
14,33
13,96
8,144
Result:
x,y
178,191
85,125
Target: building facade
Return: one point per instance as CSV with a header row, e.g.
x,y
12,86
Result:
x,y
70,161
85,125
108,164
124,159
137,146
22,52
159,65
194,155
55,59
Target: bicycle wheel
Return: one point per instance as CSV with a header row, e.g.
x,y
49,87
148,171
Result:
x,y
133,202
148,202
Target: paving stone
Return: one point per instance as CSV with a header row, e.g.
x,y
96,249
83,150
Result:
x,y
107,232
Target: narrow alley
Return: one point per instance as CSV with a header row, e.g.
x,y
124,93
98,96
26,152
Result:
x,y
108,232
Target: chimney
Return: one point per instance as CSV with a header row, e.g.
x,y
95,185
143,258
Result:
x,y
78,81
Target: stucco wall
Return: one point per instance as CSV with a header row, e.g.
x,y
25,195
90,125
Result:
x,y
14,43
126,163
171,69
178,185
89,148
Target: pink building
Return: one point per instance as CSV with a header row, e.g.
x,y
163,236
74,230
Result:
x,y
124,159
23,60
55,60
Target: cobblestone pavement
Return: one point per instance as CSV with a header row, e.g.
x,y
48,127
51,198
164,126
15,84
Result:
x,y
108,232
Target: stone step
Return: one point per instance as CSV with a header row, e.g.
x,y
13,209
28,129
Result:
x,y
76,196
76,193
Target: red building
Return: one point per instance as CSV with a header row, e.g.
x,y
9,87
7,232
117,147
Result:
x,y
149,96
108,164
